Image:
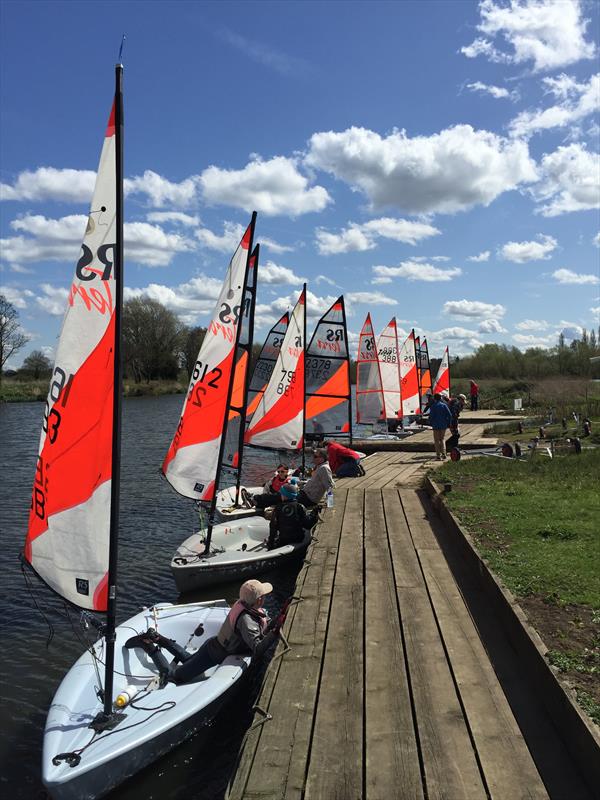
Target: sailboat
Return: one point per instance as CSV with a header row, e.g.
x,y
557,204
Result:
x,y
228,504
442,379
424,369
409,380
370,406
97,732
387,353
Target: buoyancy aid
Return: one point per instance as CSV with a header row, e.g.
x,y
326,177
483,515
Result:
x,y
227,636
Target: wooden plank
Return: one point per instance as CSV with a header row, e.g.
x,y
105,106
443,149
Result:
x,y
283,741
372,469
507,765
407,571
338,732
418,522
391,757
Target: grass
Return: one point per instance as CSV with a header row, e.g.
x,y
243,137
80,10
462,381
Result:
x,y
535,521
12,391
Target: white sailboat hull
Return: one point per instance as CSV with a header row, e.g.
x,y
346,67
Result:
x,y
143,735
237,552
226,509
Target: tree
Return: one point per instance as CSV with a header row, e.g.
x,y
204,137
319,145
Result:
x,y
37,364
151,339
191,341
12,338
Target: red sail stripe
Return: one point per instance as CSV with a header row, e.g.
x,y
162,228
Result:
x,y
79,461
286,408
110,128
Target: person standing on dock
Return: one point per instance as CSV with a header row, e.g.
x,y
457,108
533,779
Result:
x,y
440,419
319,482
474,394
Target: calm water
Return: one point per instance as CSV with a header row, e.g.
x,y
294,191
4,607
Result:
x,y
154,520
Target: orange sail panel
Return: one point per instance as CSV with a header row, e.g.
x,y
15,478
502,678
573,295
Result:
x,y
369,391
387,353
409,380
278,419
442,379
191,463
67,541
265,363
328,376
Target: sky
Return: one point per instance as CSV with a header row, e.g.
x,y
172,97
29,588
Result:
x,y
437,161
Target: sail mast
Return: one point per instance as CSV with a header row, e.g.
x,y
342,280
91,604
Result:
x,y
213,501
304,380
248,348
111,611
345,328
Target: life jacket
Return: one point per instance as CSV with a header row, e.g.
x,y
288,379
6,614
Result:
x,y
227,636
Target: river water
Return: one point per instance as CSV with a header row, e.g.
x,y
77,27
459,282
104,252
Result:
x,y
154,520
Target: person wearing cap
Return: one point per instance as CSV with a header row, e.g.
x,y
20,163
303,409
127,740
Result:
x,y
440,420
289,519
246,630
319,482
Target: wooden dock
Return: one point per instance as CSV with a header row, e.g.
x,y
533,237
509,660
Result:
x,y
387,690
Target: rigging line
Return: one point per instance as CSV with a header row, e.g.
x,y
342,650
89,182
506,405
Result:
x,y
29,586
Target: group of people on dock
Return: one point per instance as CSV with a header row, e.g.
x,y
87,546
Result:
x,y
443,416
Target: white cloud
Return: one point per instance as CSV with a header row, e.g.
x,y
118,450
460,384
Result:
x,y
532,325
491,326
526,340
160,191
271,187
177,217
483,256
454,333
48,183
596,240
227,242
324,279
273,273
264,54
548,33
53,299
372,298
568,276
358,237
571,331
315,306
495,91
60,240
193,300
415,271
520,252
595,311
580,101
271,244
570,180
18,297
472,309
447,172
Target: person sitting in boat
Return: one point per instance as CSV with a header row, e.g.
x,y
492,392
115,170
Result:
x,y
343,461
319,482
246,629
289,519
270,495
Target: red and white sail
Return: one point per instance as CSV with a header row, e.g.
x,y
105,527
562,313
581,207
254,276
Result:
x,y
425,389
387,353
265,364
192,460
278,420
67,541
328,376
409,379
442,379
369,390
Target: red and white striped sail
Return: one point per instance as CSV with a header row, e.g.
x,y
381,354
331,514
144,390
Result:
x,y
278,419
369,390
442,379
387,353
69,523
328,376
192,460
409,380
425,389
265,364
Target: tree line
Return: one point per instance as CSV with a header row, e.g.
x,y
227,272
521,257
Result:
x,y
157,345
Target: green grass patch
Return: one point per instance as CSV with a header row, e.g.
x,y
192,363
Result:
x,y
536,522
589,705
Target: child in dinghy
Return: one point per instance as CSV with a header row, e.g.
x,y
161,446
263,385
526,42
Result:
x,y
247,629
289,519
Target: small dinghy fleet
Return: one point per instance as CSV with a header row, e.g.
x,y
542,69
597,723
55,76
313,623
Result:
x,y
118,709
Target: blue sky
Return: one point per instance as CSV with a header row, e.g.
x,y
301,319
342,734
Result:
x,y
436,161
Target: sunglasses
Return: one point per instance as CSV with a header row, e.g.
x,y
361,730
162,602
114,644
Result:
x,y
282,471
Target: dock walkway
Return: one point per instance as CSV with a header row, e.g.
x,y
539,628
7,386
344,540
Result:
x,y
387,691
